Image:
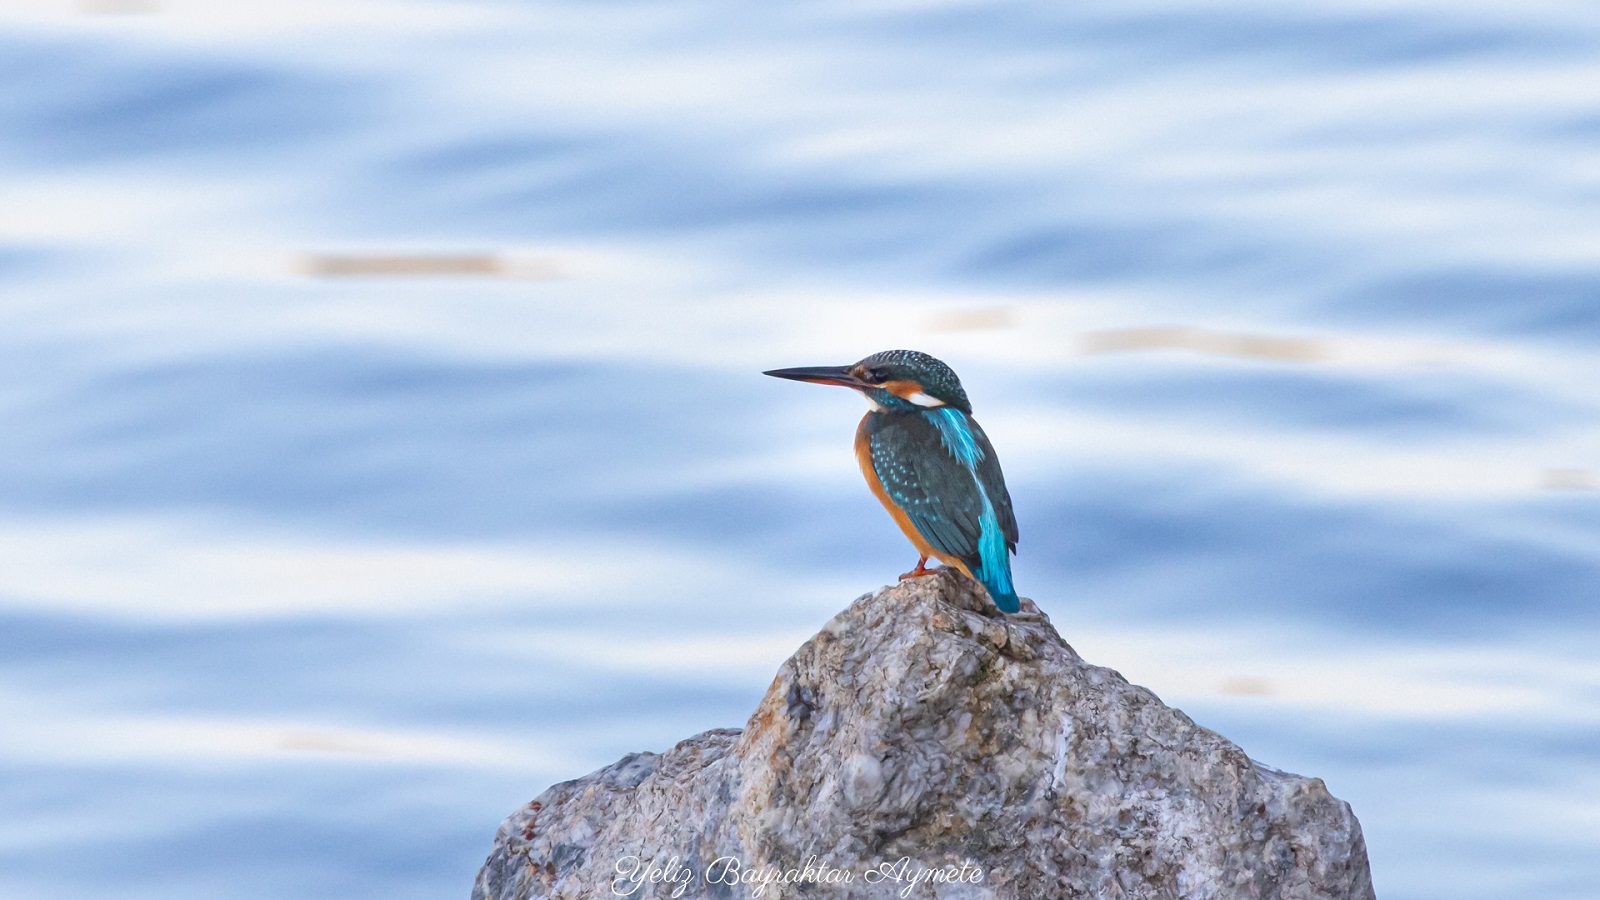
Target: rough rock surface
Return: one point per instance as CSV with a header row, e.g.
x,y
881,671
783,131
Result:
x,y
920,725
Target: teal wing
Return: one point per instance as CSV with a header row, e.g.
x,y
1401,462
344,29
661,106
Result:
x,y
994,484
939,467
935,489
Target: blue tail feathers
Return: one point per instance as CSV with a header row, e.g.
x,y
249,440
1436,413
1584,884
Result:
x,y
1007,602
994,568
998,584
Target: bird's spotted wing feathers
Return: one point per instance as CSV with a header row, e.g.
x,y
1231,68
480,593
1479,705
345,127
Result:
x,y
925,471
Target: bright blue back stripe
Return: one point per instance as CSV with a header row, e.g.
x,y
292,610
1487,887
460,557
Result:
x,y
994,572
957,437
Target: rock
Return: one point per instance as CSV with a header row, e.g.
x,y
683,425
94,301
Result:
x,y
923,745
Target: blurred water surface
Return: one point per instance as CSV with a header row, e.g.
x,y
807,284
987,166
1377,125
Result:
x,y
382,438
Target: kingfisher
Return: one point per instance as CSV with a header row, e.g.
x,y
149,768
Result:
x,y
930,464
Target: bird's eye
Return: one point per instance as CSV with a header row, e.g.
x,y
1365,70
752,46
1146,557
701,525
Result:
x,y
877,375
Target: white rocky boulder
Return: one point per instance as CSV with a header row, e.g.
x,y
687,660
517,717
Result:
x,y
923,745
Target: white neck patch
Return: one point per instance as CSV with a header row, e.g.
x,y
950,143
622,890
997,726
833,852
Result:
x,y
921,399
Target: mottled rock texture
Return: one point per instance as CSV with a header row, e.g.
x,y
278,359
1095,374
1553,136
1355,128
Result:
x,y
921,724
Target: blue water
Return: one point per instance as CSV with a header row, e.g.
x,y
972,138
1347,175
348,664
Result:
x,y
1283,321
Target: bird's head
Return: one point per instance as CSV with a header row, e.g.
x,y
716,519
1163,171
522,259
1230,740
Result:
x,y
894,380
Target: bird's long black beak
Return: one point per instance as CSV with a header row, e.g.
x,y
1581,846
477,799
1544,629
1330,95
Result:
x,y
818,375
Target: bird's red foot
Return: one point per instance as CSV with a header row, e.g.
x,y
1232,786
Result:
x,y
921,570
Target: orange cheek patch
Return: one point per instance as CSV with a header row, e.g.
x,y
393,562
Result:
x,y
912,391
905,390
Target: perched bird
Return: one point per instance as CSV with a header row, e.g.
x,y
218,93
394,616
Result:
x,y
930,464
